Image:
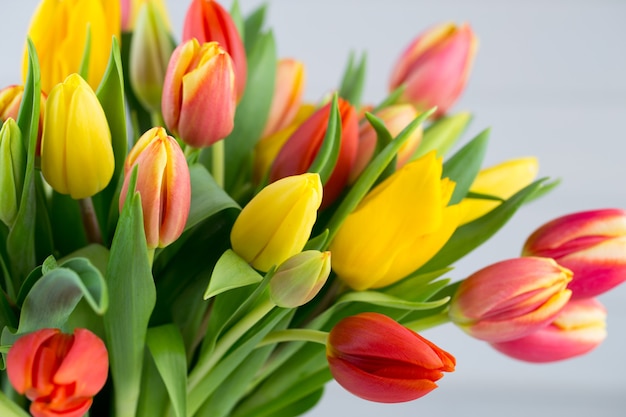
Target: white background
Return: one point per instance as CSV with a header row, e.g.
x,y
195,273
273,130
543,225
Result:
x,y
550,79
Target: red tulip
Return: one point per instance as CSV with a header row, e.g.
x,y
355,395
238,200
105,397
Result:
x,y
58,372
377,359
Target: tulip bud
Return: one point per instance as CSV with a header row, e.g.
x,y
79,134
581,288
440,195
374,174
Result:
x,y
76,151
58,372
396,118
150,50
502,180
10,102
288,91
510,299
397,227
163,181
435,67
377,359
208,21
300,150
131,8
590,243
299,278
198,100
579,328
277,222
12,168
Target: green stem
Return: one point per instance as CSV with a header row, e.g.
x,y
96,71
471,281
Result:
x,y
90,220
428,322
295,335
217,162
157,119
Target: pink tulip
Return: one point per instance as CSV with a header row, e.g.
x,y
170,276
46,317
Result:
x,y
288,91
10,102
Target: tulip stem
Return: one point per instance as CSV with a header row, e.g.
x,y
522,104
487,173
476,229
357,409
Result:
x,y
295,335
428,322
217,162
90,220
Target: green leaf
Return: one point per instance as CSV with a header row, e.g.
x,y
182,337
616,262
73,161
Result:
x,y
132,299
231,272
83,69
235,14
543,190
253,26
326,159
386,300
464,165
301,405
412,287
469,236
383,138
442,134
479,196
9,409
353,80
318,242
391,98
168,351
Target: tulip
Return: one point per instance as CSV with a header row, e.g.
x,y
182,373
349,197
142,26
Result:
x,y
579,328
277,222
510,299
590,243
502,180
58,372
208,21
288,91
300,150
60,52
10,102
397,227
299,278
12,169
396,118
377,359
198,101
150,50
130,10
435,67
76,151
164,184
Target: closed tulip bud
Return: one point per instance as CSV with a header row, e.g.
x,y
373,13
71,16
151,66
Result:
x,y
502,180
435,67
163,182
10,102
510,299
150,50
590,243
300,150
396,118
130,10
76,151
397,227
299,278
58,372
288,92
208,21
277,222
60,52
199,101
377,359
579,328
12,168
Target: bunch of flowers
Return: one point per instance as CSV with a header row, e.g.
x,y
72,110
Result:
x,y
181,235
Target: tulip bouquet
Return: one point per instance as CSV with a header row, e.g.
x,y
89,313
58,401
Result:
x,y
181,235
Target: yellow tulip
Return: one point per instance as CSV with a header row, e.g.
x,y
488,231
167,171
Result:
x,y
76,151
398,226
502,180
60,52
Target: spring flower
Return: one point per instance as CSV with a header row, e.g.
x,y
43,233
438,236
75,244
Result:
x,y
76,151
501,180
198,101
12,168
10,102
163,182
58,372
397,227
435,67
130,10
60,52
300,150
579,328
375,358
150,50
288,91
277,222
510,299
208,21
396,118
590,243
299,278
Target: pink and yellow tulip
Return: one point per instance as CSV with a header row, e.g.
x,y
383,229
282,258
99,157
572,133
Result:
x,y
300,278
10,102
288,92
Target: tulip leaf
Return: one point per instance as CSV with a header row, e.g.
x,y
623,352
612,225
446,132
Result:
x,y
442,134
480,196
9,408
353,80
153,399
252,27
391,98
83,69
383,138
300,406
326,159
386,300
235,14
318,242
132,299
412,287
471,235
543,190
168,351
464,165
231,272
